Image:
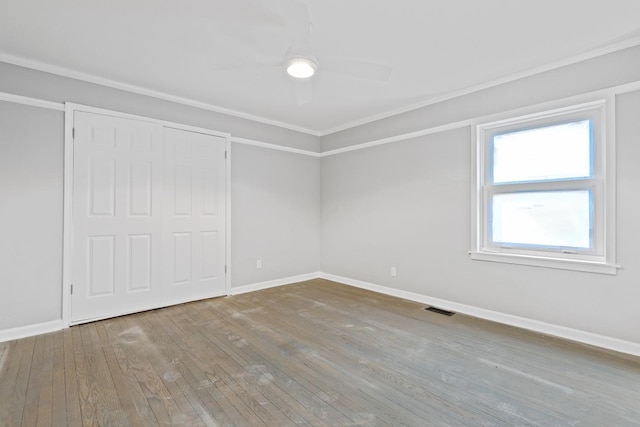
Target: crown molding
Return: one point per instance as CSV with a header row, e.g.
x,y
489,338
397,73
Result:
x,y
530,109
90,78
114,84
496,82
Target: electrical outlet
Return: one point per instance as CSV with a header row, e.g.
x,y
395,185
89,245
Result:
x,y
259,263
394,272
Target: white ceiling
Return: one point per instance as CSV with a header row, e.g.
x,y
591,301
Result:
x,y
436,48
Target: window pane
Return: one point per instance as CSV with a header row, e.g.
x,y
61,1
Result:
x,y
560,219
552,152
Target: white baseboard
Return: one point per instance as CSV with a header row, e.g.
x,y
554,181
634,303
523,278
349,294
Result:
x,y
584,337
273,283
31,330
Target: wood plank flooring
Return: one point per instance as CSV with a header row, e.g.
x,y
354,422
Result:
x,y
314,353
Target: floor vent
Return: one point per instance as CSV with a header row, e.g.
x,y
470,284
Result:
x,y
440,311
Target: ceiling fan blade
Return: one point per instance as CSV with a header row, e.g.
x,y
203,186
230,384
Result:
x,y
296,15
360,69
304,91
246,65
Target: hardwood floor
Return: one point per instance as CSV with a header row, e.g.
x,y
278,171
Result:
x,y
313,353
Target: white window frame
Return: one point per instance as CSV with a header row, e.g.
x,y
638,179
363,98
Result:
x,y
601,258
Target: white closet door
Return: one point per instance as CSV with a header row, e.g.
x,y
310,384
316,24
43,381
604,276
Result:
x,y
194,215
117,216
149,208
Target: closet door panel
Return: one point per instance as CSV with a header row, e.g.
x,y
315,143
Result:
x,y
117,216
194,226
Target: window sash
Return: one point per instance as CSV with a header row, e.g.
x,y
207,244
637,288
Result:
x,y
595,187
490,140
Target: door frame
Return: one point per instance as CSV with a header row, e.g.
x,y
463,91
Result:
x,y
70,109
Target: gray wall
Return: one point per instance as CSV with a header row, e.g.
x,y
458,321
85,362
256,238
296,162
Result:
x,y
275,214
275,195
30,215
407,204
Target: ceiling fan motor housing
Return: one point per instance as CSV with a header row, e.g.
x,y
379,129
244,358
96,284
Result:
x,y
301,66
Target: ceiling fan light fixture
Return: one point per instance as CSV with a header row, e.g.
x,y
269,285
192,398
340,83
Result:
x,y
301,67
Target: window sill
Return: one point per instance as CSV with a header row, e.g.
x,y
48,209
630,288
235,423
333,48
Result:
x,y
563,264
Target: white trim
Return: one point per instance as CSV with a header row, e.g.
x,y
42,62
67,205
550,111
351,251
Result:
x,y
487,85
608,93
261,144
397,138
227,282
548,262
34,102
31,330
622,346
610,172
274,283
90,78
67,214
547,113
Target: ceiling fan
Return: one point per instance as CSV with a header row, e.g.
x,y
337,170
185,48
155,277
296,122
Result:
x,y
301,64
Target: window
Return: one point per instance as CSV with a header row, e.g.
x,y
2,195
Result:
x,y
541,190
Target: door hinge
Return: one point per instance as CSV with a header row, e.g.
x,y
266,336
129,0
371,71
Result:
x,y
225,154
73,133
225,268
71,289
